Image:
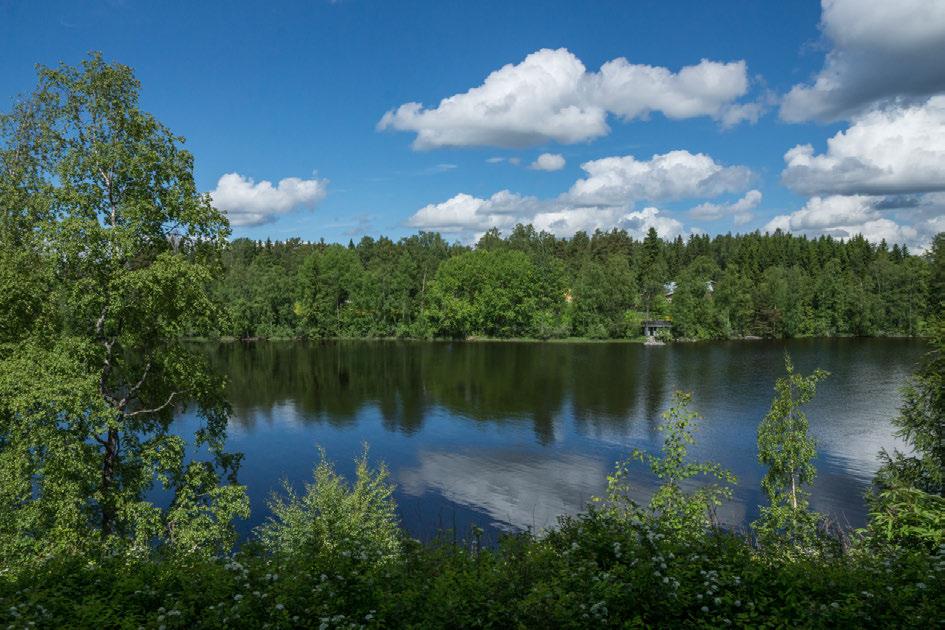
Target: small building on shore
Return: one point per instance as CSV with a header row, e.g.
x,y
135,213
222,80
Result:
x,y
652,327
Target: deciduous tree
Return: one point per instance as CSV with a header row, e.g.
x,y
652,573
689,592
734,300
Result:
x,y
101,198
788,451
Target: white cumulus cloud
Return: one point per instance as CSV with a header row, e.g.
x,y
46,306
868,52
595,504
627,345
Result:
x,y
550,96
604,199
739,210
247,202
880,50
843,216
639,223
565,220
467,214
548,162
893,150
672,175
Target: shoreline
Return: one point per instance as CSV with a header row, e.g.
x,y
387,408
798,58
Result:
x,y
643,341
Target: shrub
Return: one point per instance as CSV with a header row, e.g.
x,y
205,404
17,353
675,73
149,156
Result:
x,y
334,518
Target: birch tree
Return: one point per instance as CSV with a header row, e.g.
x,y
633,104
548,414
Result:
x,y
99,199
788,451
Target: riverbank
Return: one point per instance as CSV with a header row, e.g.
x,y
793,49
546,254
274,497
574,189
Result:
x,y
556,340
474,339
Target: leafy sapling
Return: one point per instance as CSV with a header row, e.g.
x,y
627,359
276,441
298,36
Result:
x,y
785,447
681,506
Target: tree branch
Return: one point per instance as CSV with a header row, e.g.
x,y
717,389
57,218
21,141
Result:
x,y
134,389
167,402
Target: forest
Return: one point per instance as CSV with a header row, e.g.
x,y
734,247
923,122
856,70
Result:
x,y
531,284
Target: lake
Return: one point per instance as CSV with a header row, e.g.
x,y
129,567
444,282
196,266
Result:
x,y
509,435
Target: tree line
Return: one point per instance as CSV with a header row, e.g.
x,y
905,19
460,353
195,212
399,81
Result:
x,y
531,284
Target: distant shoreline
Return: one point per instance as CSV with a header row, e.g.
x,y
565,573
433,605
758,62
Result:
x,y
557,340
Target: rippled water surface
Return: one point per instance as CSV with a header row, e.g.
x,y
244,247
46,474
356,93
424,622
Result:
x,y
512,435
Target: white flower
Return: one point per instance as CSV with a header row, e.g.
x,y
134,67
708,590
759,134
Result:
x,y
705,609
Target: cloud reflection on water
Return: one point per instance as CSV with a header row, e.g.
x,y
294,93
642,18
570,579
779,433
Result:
x,y
514,488
525,432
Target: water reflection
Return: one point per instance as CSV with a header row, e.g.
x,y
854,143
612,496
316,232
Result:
x,y
513,488
515,434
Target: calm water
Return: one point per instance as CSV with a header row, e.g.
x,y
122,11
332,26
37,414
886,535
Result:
x,y
512,435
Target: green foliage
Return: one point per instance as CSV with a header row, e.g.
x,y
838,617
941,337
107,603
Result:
x,y
936,258
332,518
908,505
679,510
47,476
334,294
761,285
597,569
603,291
693,301
785,447
633,323
735,303
493,292
908,516
100,204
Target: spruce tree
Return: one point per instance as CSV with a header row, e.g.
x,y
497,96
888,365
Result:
x,y
908,501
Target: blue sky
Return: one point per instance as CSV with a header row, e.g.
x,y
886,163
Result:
x,y
697,121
